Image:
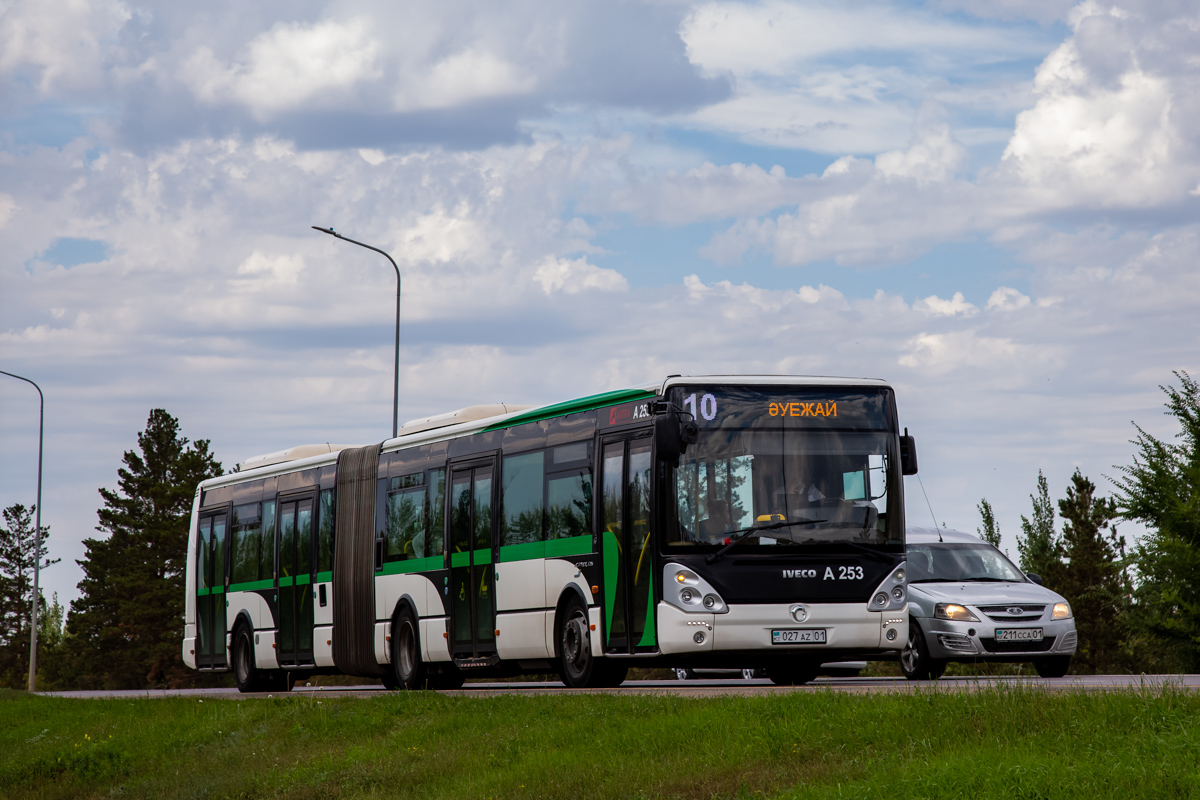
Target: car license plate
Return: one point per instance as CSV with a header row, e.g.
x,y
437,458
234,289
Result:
x,y
806,636
1018,634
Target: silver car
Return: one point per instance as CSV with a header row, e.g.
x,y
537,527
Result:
x,y
968,602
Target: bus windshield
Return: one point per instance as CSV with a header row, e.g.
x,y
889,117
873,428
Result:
x,y
804,467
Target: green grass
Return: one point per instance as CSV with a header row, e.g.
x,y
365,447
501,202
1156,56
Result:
x,y
998,742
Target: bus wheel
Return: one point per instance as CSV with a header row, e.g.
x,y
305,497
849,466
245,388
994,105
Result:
x,y
407,670
450,678
575,661
249,678
787,674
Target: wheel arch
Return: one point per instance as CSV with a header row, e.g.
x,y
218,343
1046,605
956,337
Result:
x,y
570,592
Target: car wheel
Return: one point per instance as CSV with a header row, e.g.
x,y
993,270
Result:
x,y
1053,667
683,674
915,661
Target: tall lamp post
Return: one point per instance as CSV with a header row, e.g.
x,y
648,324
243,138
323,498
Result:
x,y
396,367
37,528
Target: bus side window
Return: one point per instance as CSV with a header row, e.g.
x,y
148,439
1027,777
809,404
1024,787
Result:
x,y
522,503
325,532
435,519
266,551
244,556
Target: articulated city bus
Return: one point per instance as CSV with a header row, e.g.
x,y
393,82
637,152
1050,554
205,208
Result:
x,y
721,521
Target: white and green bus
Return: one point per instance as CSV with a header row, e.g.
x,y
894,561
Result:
x,y
704,522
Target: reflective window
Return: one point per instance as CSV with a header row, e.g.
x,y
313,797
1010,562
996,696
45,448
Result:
x,y
569,504
405,536
522,503
247,538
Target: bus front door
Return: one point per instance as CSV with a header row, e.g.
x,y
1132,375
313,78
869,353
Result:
x,y
294,641
210,591
626,550
472,590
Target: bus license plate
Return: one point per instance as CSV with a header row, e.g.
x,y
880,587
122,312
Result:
x,y
1018,634
808,636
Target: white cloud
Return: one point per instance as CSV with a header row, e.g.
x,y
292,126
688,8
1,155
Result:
x,y
64,41
956,306
573,277
290,66
1007,299
469,75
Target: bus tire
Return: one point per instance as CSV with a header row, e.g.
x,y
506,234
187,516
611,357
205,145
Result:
x,y
449,679
573,646
792,673
407,670
248,677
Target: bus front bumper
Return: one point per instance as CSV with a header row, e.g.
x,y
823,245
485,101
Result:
x,y
848,628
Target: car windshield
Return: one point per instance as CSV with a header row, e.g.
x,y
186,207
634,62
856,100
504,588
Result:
x,y
805,480
953,562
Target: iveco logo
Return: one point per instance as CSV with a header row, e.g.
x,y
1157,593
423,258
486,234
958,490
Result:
x,y
799,573
1015,611
799,613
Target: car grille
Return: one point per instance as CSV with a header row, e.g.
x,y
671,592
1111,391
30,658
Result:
x,y
1000,613
992,646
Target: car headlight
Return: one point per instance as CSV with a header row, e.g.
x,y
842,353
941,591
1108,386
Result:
x,y
1061,611
954,611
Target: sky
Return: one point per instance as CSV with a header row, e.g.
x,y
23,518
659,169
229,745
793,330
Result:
x,y
991,204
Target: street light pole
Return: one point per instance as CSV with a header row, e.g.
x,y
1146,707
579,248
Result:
x,y
396,367
37,528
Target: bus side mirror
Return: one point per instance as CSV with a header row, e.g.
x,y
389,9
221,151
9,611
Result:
x,y
672,433
908,454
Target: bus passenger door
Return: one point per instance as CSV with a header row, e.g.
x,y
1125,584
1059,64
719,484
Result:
x,y
472,589
210,591
626,549
295,537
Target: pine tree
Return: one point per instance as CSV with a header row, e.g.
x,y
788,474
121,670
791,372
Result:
x,y
1092,577
1038,543
126,628
1162,491
17,544
990,532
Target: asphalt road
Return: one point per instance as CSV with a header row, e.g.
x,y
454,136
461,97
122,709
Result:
x,y
716,687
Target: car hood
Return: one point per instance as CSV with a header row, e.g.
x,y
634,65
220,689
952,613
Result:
x,y
979,593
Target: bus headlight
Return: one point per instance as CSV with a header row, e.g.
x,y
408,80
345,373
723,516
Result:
x,y
688,592
892,593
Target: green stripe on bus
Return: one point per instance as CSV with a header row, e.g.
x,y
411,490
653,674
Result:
x,y
574,546
251,586
304,579
413,565
285,582
483,556
324,577
574,407
460,559
522,552
202,593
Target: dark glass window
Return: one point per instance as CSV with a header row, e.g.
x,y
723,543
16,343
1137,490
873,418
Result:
x,y
437,511
523,507
247,538
325,532
405,535
569,504
266,550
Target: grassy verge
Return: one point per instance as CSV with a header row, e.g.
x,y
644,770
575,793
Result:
x,y
1007,742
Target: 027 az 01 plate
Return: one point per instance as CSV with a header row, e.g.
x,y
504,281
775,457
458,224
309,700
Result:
x,y
1018,634
798,636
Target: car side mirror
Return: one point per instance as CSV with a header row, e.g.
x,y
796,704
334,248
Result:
x,y
908,454
1035,578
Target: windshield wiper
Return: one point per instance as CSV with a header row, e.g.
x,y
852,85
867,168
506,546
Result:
x,y
746,533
